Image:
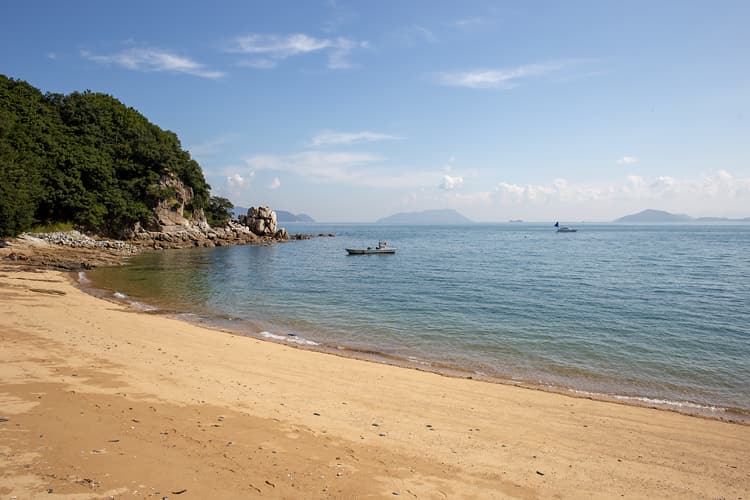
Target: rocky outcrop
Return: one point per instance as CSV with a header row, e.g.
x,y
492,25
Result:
x,y
170,211
262,222
198,235
74,250
169,228
257,227
76,239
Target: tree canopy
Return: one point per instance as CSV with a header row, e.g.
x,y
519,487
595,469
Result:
x,y
84,158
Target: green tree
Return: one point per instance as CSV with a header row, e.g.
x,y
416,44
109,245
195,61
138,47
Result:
x,y
219,211
85,158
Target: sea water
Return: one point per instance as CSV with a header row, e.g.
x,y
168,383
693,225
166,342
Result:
x,y
652,314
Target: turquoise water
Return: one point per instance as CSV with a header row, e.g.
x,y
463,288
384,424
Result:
x,y
656,314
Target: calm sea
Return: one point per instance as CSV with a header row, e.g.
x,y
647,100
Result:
x,y
653,314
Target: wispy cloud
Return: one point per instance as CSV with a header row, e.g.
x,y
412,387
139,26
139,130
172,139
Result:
x,y
426,34
412,36
324,166
210,147
275,183
627,160
272,48
149,59
504,78
260,63
449,182
330,137
470,23
355,169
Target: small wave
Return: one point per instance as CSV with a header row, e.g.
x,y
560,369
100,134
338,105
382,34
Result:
x,y
291,338
142,306
667,402
653,401
418,361
82,278
120,295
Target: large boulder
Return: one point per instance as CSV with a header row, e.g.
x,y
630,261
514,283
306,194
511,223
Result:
x,y
261,221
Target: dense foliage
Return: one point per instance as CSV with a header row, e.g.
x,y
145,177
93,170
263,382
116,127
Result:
x,y
219,211
84,158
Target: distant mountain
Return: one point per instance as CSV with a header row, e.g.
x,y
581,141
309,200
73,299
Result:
x,y
660,216
284,216
426,217
654,216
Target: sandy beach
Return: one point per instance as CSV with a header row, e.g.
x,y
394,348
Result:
x,y
98,401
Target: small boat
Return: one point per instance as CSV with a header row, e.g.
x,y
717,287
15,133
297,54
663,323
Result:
x,y
564,229
381,248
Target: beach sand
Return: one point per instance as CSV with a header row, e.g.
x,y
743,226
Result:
x,y
100,401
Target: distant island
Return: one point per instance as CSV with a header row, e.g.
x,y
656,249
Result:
x,y
284,216
427,217
661,217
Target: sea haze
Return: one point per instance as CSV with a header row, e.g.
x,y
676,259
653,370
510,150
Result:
x,y
652,314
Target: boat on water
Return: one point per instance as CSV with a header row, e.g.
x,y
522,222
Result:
x,y
381,248
564,229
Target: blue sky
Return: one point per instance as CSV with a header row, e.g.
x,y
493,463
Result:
x,y
352,111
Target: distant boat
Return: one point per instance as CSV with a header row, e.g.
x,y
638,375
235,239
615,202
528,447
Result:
x,y
381,248
564,229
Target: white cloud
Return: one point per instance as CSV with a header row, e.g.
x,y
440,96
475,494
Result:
x,y
627,160
278,46
449,183
147,59
275,183
505,78
330,137
274,48
237,180
719,194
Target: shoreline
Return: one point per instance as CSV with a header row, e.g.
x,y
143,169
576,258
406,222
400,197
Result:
x,y
101,400
685,407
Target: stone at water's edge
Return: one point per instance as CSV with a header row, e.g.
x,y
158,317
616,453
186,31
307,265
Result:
x,y
262,221
258,226
72,250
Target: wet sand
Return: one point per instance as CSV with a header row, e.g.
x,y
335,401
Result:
x,y
97,400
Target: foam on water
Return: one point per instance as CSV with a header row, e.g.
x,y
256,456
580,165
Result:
x,y
291,338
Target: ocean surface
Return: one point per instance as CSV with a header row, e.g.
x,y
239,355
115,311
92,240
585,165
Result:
x,y
656,315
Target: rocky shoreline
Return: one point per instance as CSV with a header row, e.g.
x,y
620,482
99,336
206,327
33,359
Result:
x,y
74,250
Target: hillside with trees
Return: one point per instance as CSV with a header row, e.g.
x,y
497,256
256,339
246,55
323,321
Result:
x,y
87,159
